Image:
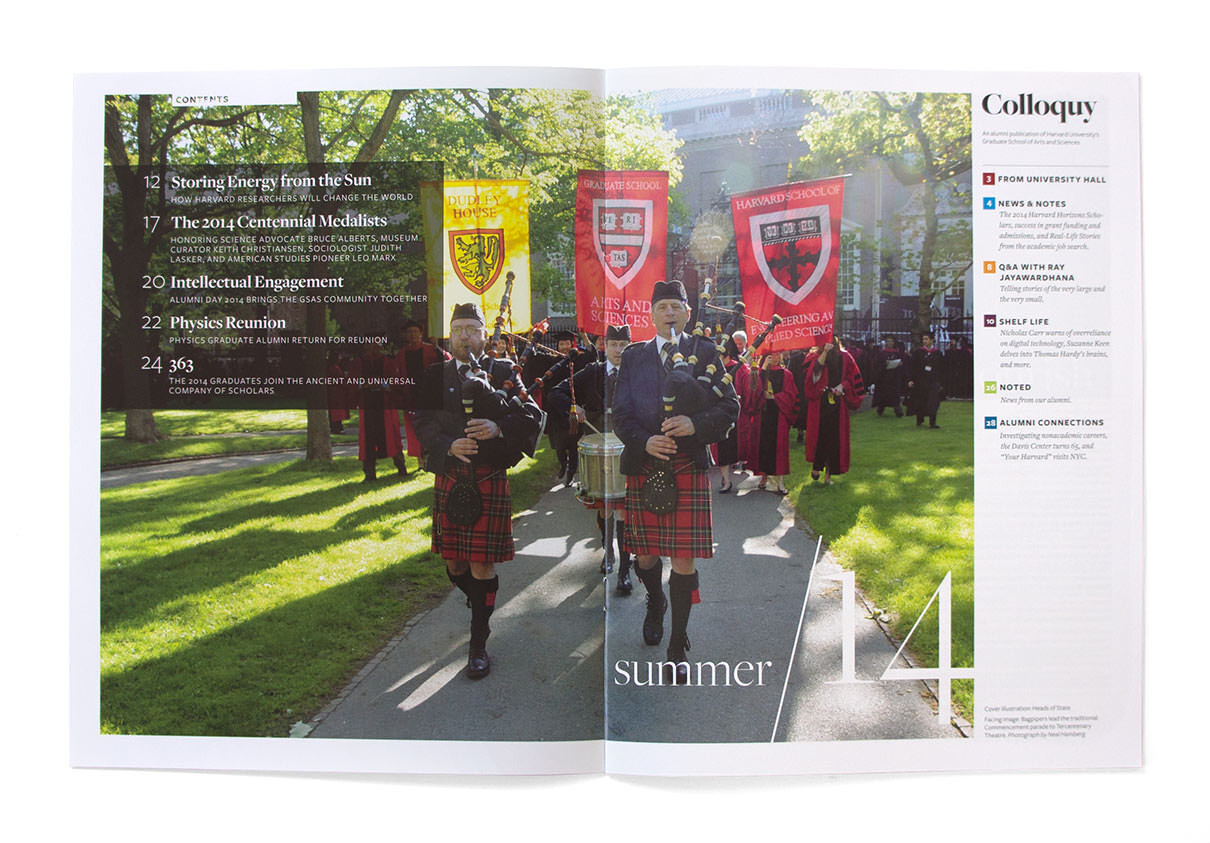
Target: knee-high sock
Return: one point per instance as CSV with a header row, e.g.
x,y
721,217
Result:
x,y
623,554
483,601
682,594
463,581
652,579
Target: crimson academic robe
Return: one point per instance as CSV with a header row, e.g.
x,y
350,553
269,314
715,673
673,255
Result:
x,y
421,358
751,394
815,385
776,420
378,433
338,399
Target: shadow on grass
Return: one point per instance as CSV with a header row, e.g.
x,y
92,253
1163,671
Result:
x,y
256,678
895,469
132,590
902,518
279,663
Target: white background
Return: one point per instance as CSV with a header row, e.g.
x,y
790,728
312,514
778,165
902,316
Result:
x,y
48,42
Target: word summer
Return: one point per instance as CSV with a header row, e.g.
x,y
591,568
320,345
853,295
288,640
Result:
x,y
701,674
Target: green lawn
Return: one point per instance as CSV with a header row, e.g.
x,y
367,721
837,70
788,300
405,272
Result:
x,y
900,519
206,433
209,422
119,452
239,603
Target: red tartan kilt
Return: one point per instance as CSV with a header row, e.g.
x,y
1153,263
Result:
x,y
490,539
684,532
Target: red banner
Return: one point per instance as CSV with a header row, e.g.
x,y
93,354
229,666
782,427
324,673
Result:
x,y
787,239
621,237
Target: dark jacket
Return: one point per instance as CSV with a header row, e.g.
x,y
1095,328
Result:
x,y
638,409
590,395
440,418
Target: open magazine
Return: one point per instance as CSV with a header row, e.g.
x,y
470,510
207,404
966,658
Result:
x,y
677,421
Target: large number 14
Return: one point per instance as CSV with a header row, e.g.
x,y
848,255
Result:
x,y
943,673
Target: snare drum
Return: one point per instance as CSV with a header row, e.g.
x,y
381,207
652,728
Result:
x,y
601,467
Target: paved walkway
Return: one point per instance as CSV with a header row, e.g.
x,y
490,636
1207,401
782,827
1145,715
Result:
x,y
113,478
552,655
547,633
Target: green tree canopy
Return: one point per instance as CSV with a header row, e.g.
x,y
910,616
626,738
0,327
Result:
x,y
541,135
925,141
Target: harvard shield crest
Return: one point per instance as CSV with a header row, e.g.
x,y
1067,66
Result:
x,y
622,232
791,248
477,256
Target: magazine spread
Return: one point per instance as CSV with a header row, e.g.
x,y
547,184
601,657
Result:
x,y
716,421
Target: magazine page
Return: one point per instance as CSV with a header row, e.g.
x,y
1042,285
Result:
x,y
372,493
260,260
919,545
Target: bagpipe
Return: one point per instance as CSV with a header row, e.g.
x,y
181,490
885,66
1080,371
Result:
x,y
697,381
564,368
714,376
492,388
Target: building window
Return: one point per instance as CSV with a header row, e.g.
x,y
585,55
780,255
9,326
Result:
x,y
955,295
848,293
774,104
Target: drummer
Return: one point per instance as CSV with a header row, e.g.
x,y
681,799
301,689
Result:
x,y
593,387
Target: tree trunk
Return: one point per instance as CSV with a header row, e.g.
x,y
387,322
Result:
x,y
141,427
319,438
928,244
315,363
129,258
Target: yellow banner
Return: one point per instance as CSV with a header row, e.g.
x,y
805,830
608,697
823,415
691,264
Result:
x,y
484,236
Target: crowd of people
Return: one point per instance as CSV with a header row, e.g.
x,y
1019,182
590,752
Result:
x,y
678,404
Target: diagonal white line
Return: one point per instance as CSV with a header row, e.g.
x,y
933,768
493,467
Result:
x,y
895,657
793,652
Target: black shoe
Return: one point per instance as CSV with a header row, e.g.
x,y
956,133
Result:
x,y
678,670
653,623
479,664
606,565
625,586
934,427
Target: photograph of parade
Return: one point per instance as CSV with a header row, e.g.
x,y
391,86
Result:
x,y
519,414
